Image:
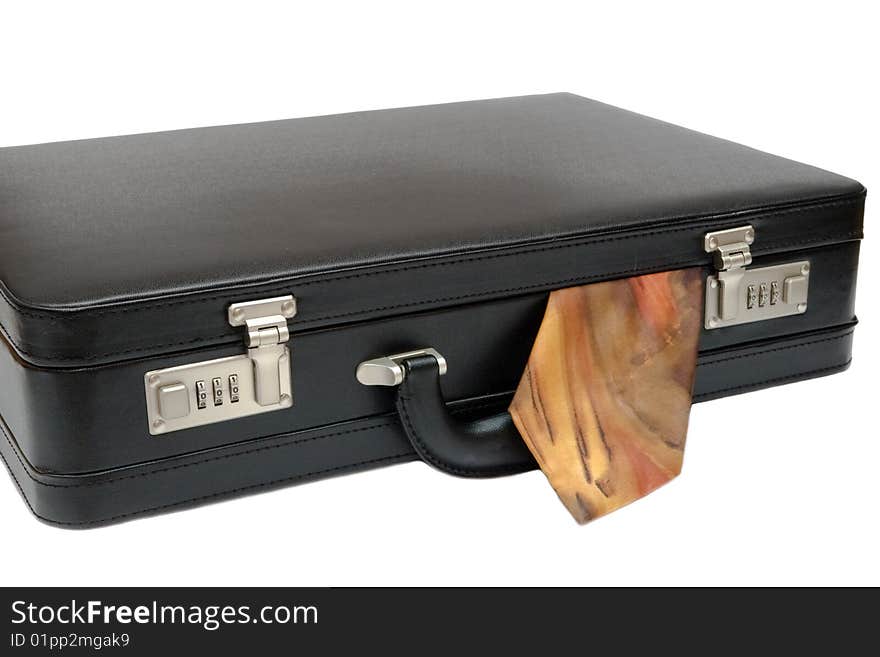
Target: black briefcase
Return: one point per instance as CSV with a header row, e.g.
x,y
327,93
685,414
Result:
x,y
197,314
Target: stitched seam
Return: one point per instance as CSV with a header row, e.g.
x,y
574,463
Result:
x,y
363,311
219,494
299,441
338,468
777,379
18,486
86,359
437,463
581,241
475,407
445,263
785,348
569,244
182,466
503,290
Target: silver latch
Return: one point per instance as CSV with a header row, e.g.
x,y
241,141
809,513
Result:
x,y
731,247
227,388
738,295
266,322
732,255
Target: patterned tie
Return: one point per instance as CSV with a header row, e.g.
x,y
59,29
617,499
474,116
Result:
x,y
604,401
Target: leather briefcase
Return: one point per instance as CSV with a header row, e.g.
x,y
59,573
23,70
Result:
x,y
197,314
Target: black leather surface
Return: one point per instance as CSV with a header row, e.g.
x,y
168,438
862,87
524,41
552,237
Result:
x,y
119,248
92,419
270,462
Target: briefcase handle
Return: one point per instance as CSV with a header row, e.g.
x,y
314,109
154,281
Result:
x,y
487,447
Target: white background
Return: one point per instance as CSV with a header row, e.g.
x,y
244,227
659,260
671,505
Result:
x,y
779,486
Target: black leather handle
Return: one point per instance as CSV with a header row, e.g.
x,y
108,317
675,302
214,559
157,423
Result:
x,y
489,447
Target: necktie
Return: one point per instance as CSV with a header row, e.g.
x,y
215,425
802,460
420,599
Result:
x,y
603,403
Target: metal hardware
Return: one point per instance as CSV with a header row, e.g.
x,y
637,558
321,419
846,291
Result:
x,y
737,295
266,322
196,380
233,389
732,255
201,394
173,401
217,385
388,371
731,247
226,388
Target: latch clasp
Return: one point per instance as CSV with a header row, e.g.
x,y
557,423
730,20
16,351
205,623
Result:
x,y
731,247
732,255
737,295
210,391
266,322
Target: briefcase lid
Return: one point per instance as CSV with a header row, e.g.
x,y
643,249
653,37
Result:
x,y
133,246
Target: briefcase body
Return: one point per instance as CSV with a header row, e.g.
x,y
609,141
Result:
x,y
197,314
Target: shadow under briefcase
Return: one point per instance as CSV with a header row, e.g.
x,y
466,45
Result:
x,y
197,314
